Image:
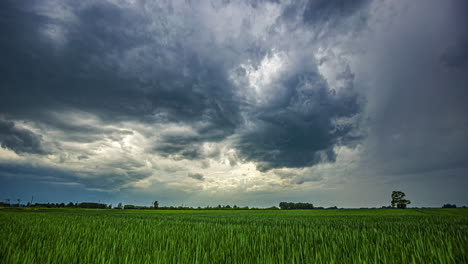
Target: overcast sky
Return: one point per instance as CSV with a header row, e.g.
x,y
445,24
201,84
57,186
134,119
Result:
x,y
234,102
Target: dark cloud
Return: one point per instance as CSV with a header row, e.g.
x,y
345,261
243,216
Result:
x,y
300,131
196,176
331,12
183,146
19,140
88,72
299,177
114,90
119,65
73,129
456,57
178,151
104,178
417,121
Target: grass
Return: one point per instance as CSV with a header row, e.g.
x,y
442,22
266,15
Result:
x,y
314,236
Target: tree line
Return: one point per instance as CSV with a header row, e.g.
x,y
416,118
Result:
x,y
88,205
289,206
398,201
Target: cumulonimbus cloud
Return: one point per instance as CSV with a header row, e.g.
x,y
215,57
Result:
x,y
118,92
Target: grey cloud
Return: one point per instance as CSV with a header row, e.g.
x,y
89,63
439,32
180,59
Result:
x,y
83,157
331,12
179,151
123,64
196,176
104,178
300,132
88,72
417,119
299,177
20,140
172,169
456,57
93,131
119,65
380,75
189,146
204,164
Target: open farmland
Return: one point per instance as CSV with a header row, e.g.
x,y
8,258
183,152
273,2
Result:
x,y
302,236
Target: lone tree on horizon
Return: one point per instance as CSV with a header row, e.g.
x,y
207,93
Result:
x,y
398,200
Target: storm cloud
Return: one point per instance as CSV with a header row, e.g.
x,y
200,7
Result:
x,y
18,139
107,59
253,96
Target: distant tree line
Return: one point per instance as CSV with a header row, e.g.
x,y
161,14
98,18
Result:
x,y
88,205
131,206
289,206
398,201
449,206
181,207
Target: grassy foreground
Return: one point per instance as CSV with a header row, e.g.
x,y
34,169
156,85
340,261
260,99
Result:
x,y
314,236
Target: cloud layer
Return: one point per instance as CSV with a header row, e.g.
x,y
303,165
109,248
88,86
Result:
x,y
221,98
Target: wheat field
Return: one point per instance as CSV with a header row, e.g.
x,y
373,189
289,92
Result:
x,y
241,236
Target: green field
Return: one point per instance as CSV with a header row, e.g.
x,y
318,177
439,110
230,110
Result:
x,y
313,236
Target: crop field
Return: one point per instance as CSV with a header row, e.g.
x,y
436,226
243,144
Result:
x,y
224,236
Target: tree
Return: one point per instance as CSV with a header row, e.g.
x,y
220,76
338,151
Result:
x,y
92,205
120,206
398,200
449,206
289,206
155,204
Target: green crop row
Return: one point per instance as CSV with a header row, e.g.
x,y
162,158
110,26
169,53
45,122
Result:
x,y
332,236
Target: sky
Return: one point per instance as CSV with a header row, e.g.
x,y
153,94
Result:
x,y
234,102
